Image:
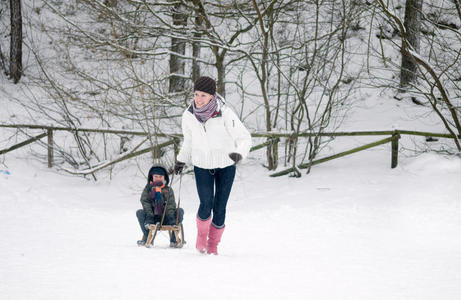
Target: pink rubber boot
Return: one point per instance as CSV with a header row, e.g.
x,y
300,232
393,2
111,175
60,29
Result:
x,y
202,233
214,237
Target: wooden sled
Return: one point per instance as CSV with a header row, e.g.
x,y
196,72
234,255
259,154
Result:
x,y
178,230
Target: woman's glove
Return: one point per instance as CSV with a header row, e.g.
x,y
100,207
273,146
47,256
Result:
x,y
236,157
178,167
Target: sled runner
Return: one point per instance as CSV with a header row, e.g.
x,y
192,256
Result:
x,y
178,231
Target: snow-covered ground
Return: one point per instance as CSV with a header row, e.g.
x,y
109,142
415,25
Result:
x,y
353,229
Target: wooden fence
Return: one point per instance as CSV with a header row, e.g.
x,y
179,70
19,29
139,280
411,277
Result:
x,y
272,138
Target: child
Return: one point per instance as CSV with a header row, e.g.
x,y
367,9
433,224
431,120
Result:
x,y
156,197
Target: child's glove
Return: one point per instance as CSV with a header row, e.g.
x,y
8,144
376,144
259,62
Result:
x,y
178,167
236,157
171,220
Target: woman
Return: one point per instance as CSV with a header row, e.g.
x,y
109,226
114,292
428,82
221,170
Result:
x,y
215,140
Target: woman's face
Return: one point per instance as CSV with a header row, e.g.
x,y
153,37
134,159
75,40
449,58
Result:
x,y
201,98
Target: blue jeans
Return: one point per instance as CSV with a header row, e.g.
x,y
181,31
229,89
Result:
x,y
211,200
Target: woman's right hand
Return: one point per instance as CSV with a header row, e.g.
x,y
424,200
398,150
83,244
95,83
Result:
x,y
178,167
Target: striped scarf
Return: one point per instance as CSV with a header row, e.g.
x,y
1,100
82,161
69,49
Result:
x,y
204,113
156,197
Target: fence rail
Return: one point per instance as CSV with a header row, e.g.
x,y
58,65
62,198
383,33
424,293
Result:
x,y
273,138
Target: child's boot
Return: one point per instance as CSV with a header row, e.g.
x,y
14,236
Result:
x,y
142,242
214,237
173,243
202,233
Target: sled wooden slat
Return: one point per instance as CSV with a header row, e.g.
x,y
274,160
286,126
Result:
x,y
177,229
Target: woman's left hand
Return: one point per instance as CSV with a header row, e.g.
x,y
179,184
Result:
x,y
236,157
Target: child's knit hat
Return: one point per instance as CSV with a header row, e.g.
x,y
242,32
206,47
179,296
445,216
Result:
x,y
159,170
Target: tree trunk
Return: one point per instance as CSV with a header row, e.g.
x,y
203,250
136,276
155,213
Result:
x,y
412,25
16,40
178,49
458,7
2,62
221,70
195,64
196,47
263,78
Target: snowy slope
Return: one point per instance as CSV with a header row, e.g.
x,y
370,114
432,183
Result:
x,y
353,229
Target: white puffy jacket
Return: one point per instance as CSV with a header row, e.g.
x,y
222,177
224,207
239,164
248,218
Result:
x,y
207,145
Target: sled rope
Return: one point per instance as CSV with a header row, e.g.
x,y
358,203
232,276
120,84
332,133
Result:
x,y
179,198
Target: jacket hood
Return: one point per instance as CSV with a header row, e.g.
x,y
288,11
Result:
x,y
151,170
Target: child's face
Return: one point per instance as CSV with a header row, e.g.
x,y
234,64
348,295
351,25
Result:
x,y
158,178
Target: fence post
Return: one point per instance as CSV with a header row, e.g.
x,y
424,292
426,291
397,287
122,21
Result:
x,y
275,151
50,148
395,149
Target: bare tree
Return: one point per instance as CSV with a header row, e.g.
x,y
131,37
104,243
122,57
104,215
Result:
x,y
262,74
208,28
16,40
178,50
299,58
322,82
117,79
2,58
412,23
438,67
113,70
196,45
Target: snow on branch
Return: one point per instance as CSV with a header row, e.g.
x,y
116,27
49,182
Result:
x,y
120,158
